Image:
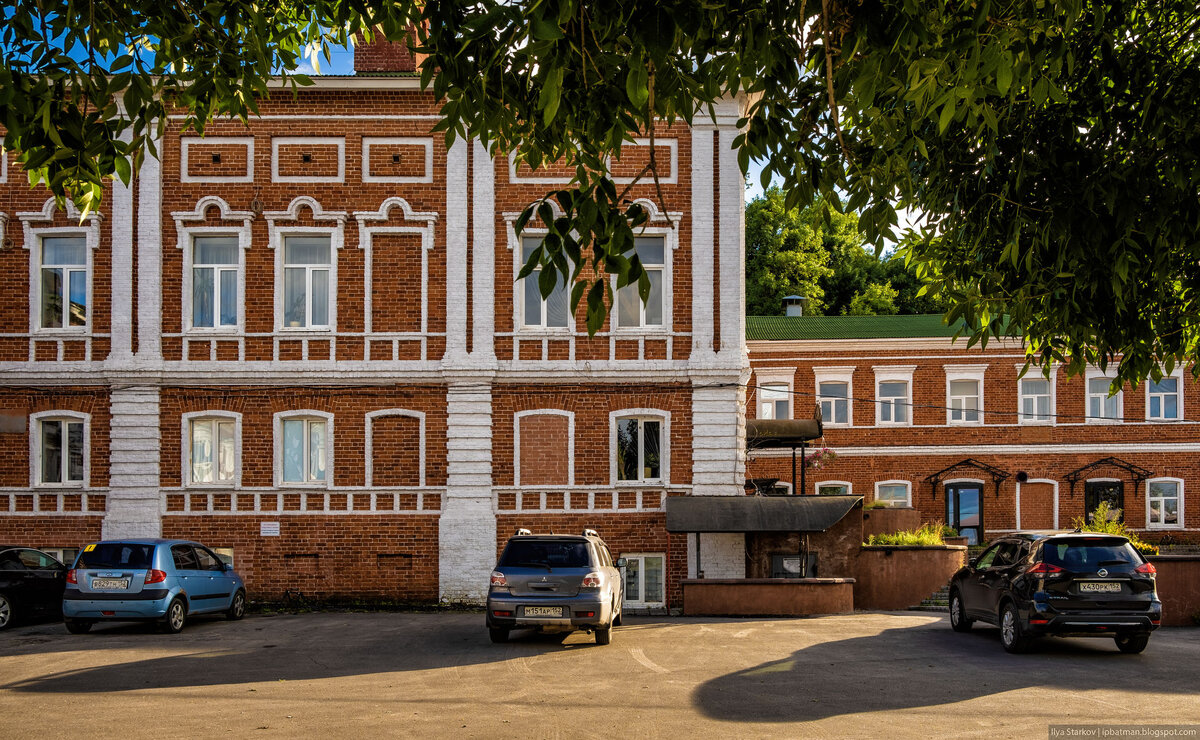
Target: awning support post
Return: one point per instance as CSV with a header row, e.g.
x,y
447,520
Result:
x,y
803,465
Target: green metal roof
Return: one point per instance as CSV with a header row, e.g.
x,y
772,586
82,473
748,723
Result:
x,y
782,328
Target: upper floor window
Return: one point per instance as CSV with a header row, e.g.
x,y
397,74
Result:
x,y
894,402
551,313
305,450
307,261
212,450
1102,406
639,445
1035,400
774,401
60,447
215,268
965,401
631,311
64,282
835,402
1163,399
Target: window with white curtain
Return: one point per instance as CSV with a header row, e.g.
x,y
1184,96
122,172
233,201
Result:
x,y
1035,400
306,285
213,450
215,268
304,450
1101,406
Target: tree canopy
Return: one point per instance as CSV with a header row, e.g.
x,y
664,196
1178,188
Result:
x,y
1053,146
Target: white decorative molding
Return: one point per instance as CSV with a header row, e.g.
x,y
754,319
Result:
x,y
338,141
672,144
3,227
35,447
671,220
185,473
149,257
894,374
999,450
132,508
457,205
186,141
318,214
1017,499
3,168
966,372
570,416
183,233
818,484
366,234
483,254
510,223
369,468
28,220
369,141
702,244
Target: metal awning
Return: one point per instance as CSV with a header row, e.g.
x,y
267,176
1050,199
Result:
x,y
757,513
764,434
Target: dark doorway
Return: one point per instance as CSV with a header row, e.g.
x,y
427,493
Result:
x,y
1097,491
964,510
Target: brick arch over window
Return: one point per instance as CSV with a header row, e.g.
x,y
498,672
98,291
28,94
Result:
x,y
395,449
544,448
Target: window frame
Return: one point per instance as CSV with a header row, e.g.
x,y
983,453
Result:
x,y
835,375
1178,377
36,295
519,292
35,448
820,484
278,233
33,235
773,387
185,243
966,372
1022,418
189,265
664,444
668,293
1093,374
306,415
1179,486
642,603
282,267
214,415
891,503
893,374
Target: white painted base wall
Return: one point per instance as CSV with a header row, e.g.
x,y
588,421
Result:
x,y
722,555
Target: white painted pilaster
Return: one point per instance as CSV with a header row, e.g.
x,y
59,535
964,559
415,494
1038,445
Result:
x,y
718,435
483,256
702,244
456,252
467,529
732,245
149,258
133,506
121,315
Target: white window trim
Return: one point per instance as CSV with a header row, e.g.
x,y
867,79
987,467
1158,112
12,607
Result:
x,y
893,374
570,416
276,235
186,451
277,428
633,604
35,447
1179,484
369,467
1178,376
1087,398
519,293
366,234
966,372
1053,420
33,236
908,488
844,374
664,446
849,486
785,376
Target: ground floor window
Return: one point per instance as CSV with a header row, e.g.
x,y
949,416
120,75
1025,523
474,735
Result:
x,y
645,579
1162,499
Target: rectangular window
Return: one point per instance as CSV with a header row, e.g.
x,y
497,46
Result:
x,y
1100,404
1162,496
1035,400
552,312
833,489
1164,399
214,451
306,266
964,401
774,402
892,494
893,402
214,282
638,449
835,402
304,451
64,279
631,312
62,451
645,580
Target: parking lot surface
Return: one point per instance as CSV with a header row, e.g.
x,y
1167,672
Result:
x,y
436,675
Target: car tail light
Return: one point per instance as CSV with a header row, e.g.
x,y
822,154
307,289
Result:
x,y
1146,568
71,577
1036,620
591,580
155,576
1044,569
501,614
498,580
585,614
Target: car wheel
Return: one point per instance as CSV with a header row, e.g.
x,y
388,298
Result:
x,y
959,621
1010,630
7,612
77,626
498,634
237,608
604,635
1132,644
175,618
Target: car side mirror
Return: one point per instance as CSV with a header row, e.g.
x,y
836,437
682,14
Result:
x,y
227,567
621,562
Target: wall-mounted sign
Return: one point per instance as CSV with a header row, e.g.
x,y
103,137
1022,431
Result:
x,y
268,529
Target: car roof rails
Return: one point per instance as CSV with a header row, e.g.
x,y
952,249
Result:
x,y
590,533
521,532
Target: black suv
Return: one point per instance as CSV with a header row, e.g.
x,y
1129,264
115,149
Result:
x,y
555,583
1070,585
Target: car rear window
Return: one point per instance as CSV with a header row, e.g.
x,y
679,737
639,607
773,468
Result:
x,y
116,555
556,554
1085,554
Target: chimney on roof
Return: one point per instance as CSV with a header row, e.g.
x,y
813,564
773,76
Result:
x,y
793,305
381,56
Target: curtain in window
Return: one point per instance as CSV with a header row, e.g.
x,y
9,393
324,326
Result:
x,y
293,451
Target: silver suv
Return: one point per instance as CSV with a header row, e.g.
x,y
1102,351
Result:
x,y
555,583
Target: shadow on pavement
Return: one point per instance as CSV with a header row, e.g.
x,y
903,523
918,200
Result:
x,y
916,667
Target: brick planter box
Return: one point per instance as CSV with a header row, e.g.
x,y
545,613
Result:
x,y
900,576
1178,588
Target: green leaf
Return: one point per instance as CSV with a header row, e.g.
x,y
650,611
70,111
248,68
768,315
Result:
x,y
946,117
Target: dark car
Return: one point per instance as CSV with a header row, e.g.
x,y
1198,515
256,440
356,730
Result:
x,y
31,583
555,583
1066,585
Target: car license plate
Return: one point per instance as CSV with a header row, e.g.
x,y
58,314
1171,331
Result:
x,y
1098,587
543,611
110,584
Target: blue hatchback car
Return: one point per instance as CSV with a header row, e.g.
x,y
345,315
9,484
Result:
x,y
149,580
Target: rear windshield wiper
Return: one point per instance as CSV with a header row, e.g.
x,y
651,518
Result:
x,y
540,565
